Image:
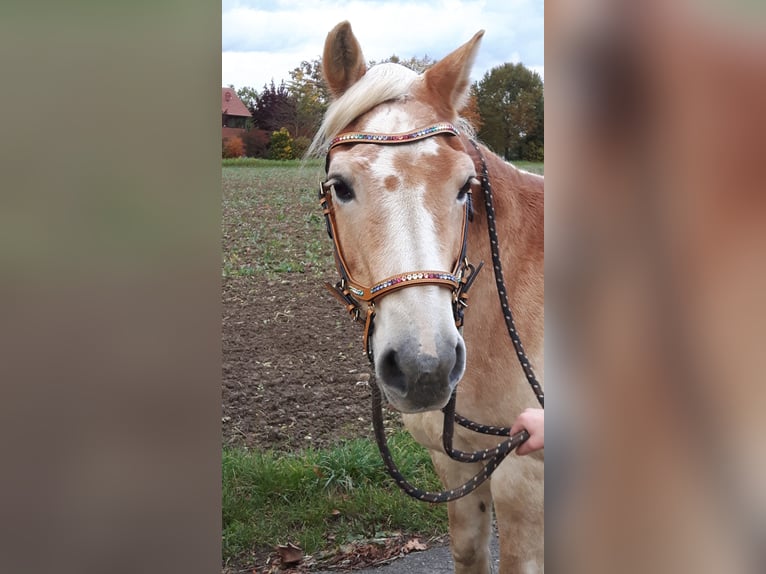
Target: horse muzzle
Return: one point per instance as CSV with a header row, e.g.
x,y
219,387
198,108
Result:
x,y
414,380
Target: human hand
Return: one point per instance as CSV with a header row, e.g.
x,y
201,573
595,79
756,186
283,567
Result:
x,y
533,421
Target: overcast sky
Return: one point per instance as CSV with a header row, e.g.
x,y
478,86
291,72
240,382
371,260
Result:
x,y
266,39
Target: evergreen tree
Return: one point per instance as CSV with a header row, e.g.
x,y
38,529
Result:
x,y
510,99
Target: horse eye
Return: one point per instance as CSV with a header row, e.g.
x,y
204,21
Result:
x,y
343,191
466,189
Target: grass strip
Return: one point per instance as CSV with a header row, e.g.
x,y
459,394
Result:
x,y
262,162
319,499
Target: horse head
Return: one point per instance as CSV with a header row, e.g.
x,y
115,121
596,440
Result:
x,y
400,209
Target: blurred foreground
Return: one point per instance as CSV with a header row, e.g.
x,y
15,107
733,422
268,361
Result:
x,y
656,238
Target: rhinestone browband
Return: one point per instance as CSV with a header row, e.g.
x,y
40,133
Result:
x,y
368,137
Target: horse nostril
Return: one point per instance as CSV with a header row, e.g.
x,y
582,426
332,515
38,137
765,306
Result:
x,y
459,367
391,372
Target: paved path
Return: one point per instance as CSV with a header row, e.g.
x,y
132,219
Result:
x,y
433,561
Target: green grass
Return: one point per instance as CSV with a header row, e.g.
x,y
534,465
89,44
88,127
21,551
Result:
x,y
530,166
318,499
272,223
258,162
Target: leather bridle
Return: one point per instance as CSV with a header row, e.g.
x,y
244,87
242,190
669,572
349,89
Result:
x,y
360,299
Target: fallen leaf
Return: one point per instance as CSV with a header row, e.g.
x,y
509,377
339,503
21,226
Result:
x,y
290,553
415,545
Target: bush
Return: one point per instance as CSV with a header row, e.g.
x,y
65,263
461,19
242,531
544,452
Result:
x,y
233,147
281,145
531,151
300,145
256,143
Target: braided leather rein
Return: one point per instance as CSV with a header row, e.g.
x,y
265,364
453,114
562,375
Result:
x,y
349,293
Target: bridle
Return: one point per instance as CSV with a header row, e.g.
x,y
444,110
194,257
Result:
x,y
359,300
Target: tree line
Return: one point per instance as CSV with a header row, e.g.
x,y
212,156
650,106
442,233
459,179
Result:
x,y
505,108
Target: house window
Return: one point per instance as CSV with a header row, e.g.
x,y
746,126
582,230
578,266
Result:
x,y
238,122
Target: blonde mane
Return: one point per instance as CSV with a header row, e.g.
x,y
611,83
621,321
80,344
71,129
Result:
x,y
380,84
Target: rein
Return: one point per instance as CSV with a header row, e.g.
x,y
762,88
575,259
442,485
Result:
x,y
354,295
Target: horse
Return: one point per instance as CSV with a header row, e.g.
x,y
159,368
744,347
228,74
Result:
x,y
399,209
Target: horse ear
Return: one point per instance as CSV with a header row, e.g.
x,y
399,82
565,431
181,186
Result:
x,y
448,79
342,62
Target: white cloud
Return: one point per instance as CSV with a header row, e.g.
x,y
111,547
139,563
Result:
x,y
265,40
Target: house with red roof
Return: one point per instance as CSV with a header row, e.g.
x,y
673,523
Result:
x,y
234,114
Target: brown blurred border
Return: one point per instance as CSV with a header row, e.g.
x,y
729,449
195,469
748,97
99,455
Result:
x,y
655,235
110,287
